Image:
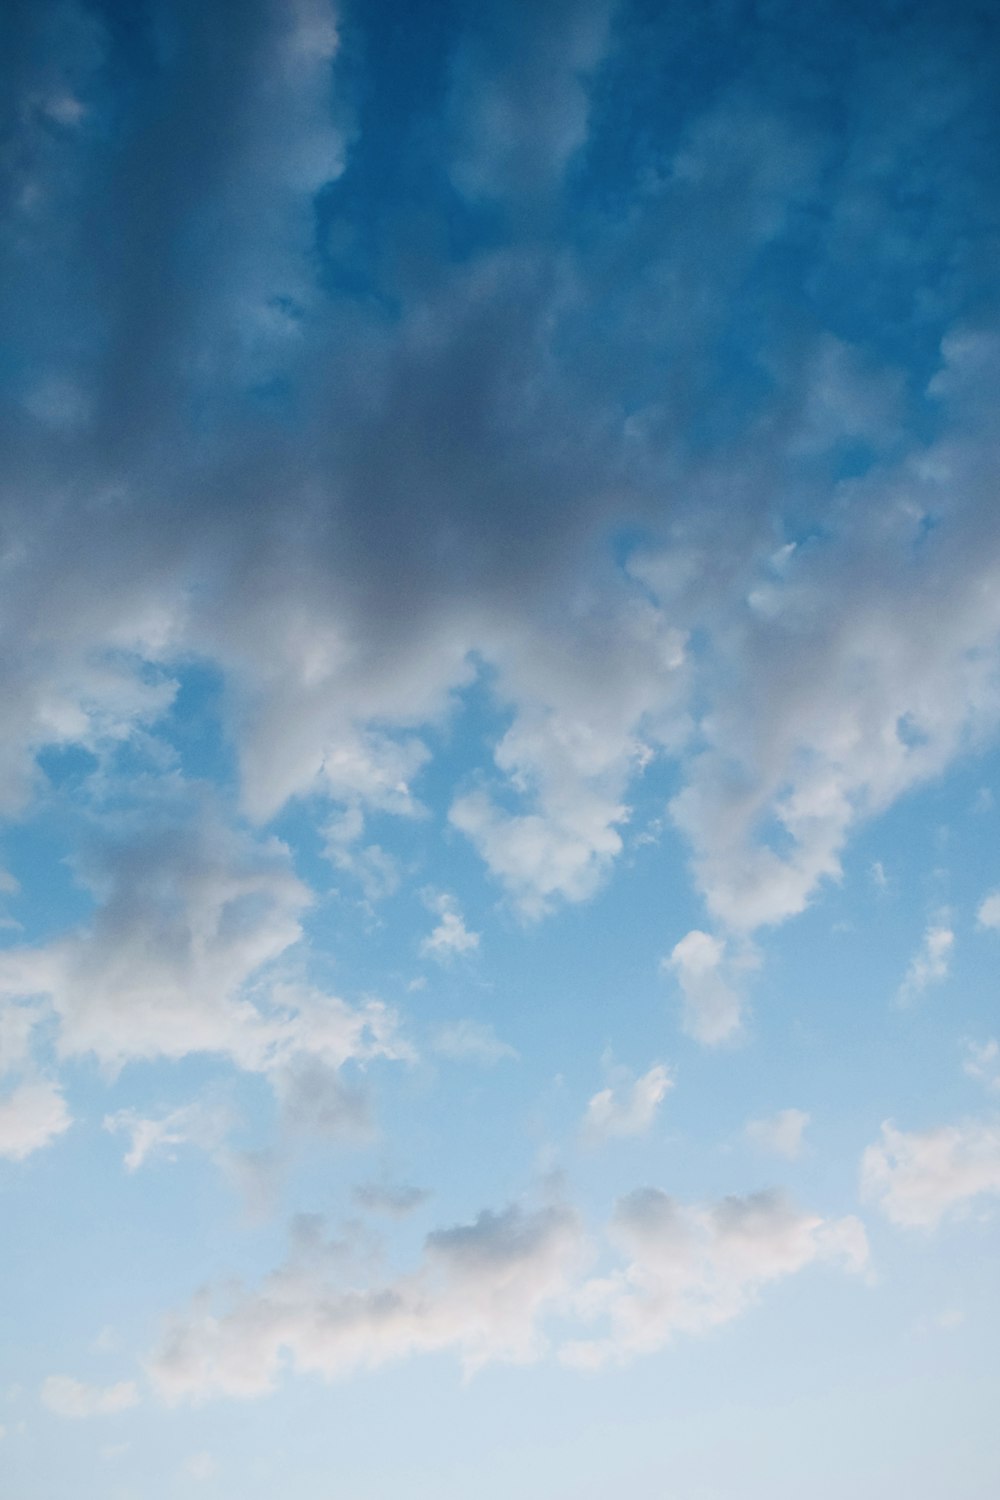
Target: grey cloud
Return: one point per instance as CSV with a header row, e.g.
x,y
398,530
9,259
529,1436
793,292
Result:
x,y
352,506
484,1290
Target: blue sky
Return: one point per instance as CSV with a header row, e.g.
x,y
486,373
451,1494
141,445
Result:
x,y
499,764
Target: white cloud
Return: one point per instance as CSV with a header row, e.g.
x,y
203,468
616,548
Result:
x,y
479,1289
32,1116
17,1022
471,1041
484,1289
982,1062
590,707
781,1133
629,1105
929,964
988,914
72,1398
919,1177
451,935
690,1268
199,1124
179,958
713,1006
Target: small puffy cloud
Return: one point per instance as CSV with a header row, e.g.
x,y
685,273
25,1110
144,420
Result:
x,y
72,1398
689,1268
479,1290
542,856
17,1021
929,964
188,911
713,1007
450,936
471,1041
32,1116
377,871
628,1106
988,914
918,1177
781,1133
982,1062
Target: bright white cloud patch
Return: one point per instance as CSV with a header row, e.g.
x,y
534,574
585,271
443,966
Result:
x,y
689,1268
450,936
713,1007
73,1398
629,1105
918,1177
781,1133
32,1116
988,914
930,964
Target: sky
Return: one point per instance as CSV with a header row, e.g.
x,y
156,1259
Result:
x,y
500,749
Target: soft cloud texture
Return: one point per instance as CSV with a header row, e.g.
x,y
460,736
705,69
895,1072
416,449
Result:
x,y
72,1398
781,1133
982,1062
200,1124
988,914
478,1290
32,1116
450,936
629,1105
177,959
471,1041
930,964
713,1006
919,1177
690,1268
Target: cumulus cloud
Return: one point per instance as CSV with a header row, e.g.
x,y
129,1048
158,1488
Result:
x,y
349,554
781,1133
629,1105
32,1116
17,1023
919,1177
988,914
691,1268
929,964
177,959
478,1290
73,1398
712,1005
450,936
